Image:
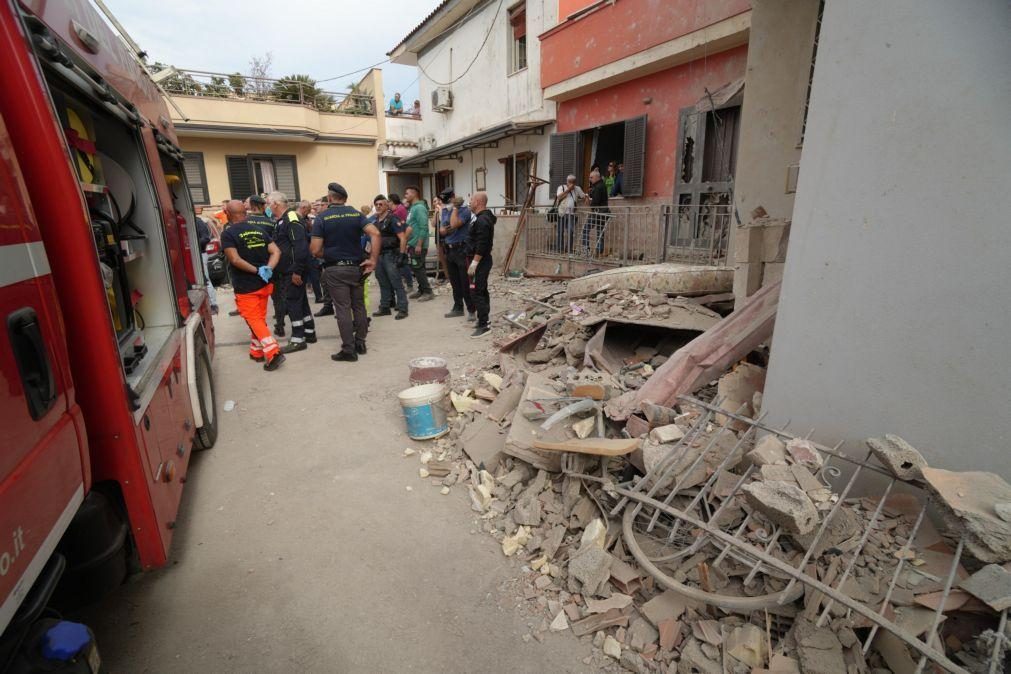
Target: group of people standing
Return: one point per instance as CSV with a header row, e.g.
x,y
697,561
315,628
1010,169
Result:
x,y
570,195
274,251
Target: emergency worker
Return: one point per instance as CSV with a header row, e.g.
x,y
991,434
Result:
x,y
392,257
454,226
253,257
256,216
337,239
292,239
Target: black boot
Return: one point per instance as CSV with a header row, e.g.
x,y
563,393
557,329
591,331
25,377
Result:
x,y
274,363
292,347
361,349
383,312
327,310
455,313
279,331
344,356
310,338
400,315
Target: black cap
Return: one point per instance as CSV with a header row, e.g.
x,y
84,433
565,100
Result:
x,y
338,189
258,200
447,194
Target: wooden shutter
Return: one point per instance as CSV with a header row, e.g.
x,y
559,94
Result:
x,y
196,178
240,177
634,157
564,159
286,176
518,21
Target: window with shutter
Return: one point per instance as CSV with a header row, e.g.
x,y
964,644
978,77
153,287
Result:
x,y
287,177
564,159
518,37
240,177
196,178
635,157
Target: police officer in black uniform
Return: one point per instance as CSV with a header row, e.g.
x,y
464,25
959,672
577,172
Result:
x,y
291,237
255,216
337,239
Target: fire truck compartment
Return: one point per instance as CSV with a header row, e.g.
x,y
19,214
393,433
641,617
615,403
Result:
x,y
128,227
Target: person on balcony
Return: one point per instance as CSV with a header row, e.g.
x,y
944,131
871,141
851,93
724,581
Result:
x,y
567,197
597,219
415,110
396,105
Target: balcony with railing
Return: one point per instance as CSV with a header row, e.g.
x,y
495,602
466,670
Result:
x,y
588,239
225,104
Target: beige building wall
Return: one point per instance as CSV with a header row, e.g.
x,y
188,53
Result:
x,y
353,166
779,67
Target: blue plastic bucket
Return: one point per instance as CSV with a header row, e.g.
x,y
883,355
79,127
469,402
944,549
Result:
x,y
424,408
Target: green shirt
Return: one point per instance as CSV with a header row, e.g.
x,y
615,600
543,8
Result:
x,y
417,220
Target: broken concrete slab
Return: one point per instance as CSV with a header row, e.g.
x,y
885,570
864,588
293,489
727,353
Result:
x,y
737,390
591,566
611,647
483,441
783,504
669,630
666,434
818,649
523,432
528,512
707,356
967,503
804,452
668,278
505,402
747,644
898,456
560,623
768,451
991,585
584,427
641,634
666,606
694,661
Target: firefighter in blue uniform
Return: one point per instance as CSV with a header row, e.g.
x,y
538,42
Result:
x,y
291,237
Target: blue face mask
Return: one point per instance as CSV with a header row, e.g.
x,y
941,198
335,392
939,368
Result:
x,y
268,212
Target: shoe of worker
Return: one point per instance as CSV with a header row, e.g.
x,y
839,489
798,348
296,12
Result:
x,y
327,310
415,295
426,297
455,313
310,338
400,315
472,317
361,349
293,347
344,356
382,312
480,331
274,363
279,331
233,312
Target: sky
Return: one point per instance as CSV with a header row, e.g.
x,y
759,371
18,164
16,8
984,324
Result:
x,y
319,38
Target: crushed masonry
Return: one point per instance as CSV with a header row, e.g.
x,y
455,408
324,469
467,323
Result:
x,y
612,451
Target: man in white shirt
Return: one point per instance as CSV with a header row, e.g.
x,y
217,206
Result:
x,y
567,198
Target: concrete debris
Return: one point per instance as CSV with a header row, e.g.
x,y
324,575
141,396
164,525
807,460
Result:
x,y
967,504
580,570
769,451
991,585
898,456
612,648
784,504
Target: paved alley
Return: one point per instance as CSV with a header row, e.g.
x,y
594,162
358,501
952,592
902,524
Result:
x,y
299,547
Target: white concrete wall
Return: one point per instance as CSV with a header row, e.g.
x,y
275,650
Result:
x,y
487,95
463,171
895,313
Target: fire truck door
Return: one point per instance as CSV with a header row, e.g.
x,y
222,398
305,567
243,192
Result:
x,y
42,473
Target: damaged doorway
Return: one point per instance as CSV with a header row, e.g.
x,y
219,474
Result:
x,y
699,221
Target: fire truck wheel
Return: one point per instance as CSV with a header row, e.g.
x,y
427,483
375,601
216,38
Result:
x,y
207,434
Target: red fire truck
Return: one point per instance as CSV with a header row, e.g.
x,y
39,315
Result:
x,y
105,353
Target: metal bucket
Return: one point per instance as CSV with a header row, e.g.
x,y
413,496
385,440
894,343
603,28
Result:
x,y
429,370
425,409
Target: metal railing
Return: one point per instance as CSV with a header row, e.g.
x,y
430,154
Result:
x,y
634,234
238,87
696,234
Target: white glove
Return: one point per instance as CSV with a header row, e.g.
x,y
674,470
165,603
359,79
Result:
x,y
472,269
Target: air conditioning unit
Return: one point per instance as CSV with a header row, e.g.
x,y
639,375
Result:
x,y
442,99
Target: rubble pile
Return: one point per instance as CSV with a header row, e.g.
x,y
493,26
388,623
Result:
x,y
690,540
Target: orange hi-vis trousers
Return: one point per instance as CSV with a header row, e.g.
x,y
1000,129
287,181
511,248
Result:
x,y
253,309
